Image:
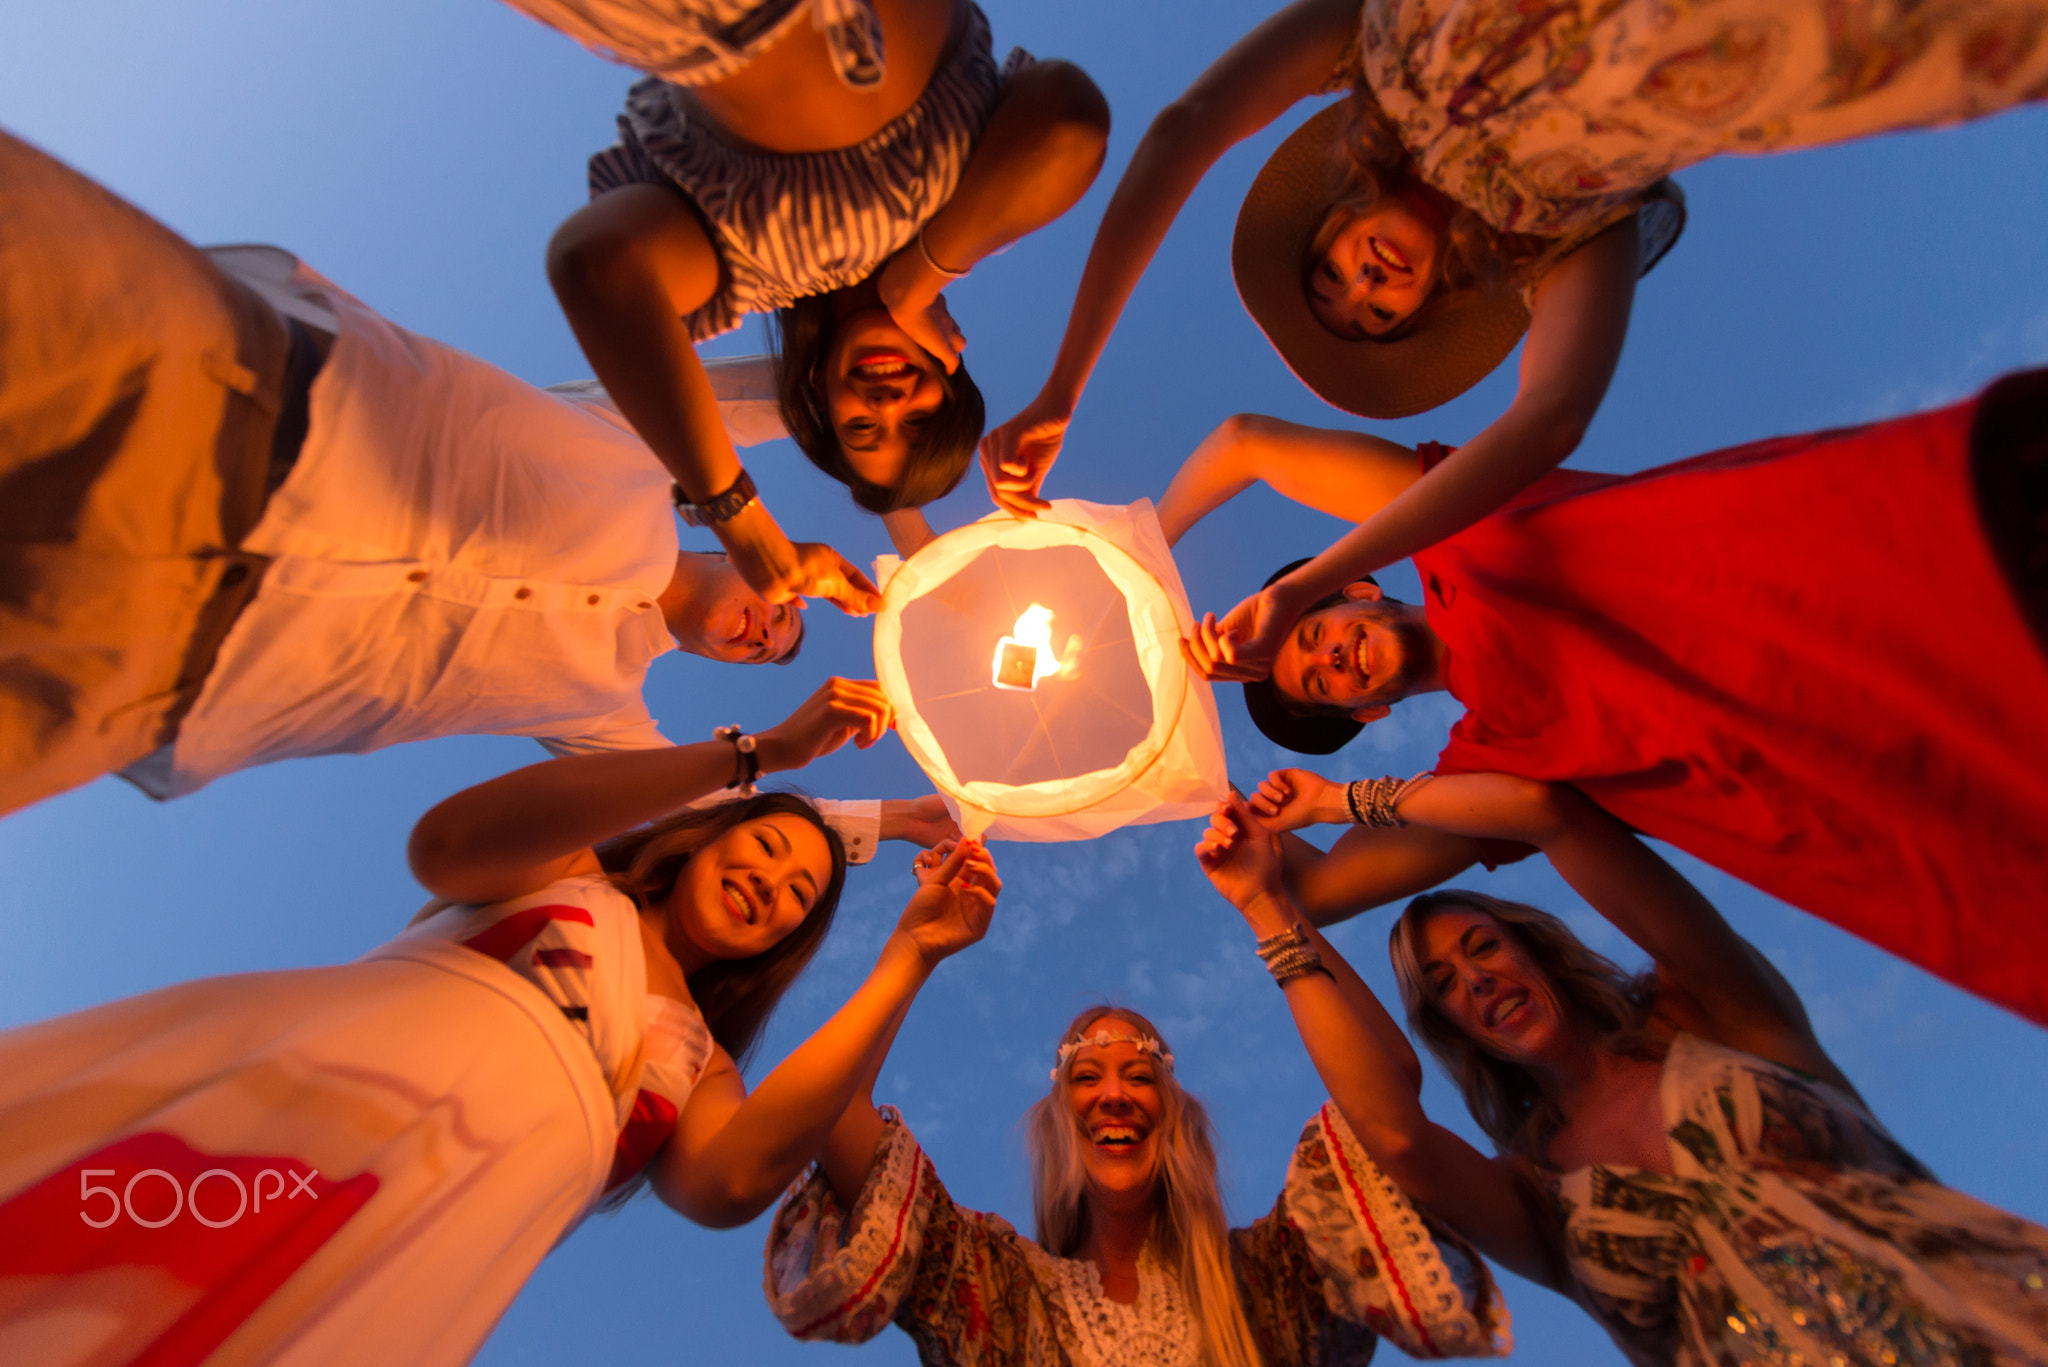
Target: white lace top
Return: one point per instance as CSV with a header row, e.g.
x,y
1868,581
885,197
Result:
x,y
1342,1260
1156,1330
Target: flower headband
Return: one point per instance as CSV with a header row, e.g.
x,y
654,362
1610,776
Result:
x,y
1102,1039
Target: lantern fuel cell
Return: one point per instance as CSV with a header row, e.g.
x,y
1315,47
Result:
x,y
1025,656
1016,666
1027,739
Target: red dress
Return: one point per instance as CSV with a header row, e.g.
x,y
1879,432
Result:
x,y
1796,660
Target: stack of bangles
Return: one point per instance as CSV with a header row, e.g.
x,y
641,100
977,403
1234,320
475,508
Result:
x,y
1372,800
1289,955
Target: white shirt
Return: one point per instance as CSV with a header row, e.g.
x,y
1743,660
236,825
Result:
x,y
455,552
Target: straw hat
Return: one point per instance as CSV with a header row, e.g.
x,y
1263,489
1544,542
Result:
x,y
1457,338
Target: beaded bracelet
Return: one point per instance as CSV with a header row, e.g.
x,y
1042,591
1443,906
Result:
x,y
1371,801
748,757
1289,955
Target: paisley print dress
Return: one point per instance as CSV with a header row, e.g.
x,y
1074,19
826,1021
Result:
x,y
1794,1230
1342,1261
1556,118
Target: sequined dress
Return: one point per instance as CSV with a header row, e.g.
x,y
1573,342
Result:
x,y
1342,1261
1794,1229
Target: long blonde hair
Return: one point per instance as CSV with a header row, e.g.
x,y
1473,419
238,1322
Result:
x,y
1508,1100
1190,1231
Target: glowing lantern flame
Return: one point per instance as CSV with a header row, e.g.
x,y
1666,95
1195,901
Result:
x,y
1026,656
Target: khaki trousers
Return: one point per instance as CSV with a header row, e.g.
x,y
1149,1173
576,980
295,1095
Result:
x,y
139,390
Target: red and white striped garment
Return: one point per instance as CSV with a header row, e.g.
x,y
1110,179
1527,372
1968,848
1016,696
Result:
x,y
359,1164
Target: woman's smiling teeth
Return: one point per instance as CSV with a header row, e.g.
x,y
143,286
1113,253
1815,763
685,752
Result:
x,y
1389,256
1509,1004
881,365
738,903
1117,1138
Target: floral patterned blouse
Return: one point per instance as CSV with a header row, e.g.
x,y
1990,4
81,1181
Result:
x,y
1556,118
1342,1260
1794,1229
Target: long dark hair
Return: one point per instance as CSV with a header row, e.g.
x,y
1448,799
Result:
x,y
737,996
801,335
1506,1098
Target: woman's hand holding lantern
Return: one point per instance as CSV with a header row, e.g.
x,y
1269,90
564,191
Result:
x,y
1017,456
1289,799
841,710
954,901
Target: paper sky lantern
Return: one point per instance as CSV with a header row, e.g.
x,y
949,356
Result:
x,y
1036,673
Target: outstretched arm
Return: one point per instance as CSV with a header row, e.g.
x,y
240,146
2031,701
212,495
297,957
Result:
x,y
1286,59
849,1150
1350,475
1575,338
1368,867
517,833
1745,1002
1040,152
732,1153
626,267
1369,1066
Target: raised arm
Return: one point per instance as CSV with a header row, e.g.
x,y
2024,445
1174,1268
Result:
x,y
1575,337
1285,59
517,833
733,1153
1040,152
1745,1003
1368,867
849,1150
1350,475
1369,1067
626,267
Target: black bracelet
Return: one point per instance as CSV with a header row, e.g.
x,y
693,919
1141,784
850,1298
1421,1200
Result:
x,y
719,507
749,758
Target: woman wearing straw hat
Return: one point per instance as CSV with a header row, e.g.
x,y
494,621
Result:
x,y
1498,169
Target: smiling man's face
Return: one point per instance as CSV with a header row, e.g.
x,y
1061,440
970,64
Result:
x,y
1359,657
727,621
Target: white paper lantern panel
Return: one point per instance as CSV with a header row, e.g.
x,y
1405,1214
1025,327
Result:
x,y
1036,673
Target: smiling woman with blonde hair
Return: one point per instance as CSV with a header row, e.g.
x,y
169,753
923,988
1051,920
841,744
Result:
x,y
1134,1262
1674,1148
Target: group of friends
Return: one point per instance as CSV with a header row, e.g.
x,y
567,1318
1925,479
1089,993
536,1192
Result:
x,y
244,518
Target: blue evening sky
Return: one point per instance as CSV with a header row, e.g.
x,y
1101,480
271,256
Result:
x,y
420,153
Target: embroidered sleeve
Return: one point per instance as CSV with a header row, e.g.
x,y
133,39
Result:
x,y
1384,1266
957,1281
